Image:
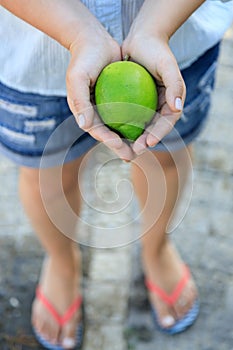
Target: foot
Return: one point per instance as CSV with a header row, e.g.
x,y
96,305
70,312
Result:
x,y
166,270
59,283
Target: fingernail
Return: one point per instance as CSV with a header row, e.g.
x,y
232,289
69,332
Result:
x,y
68,343
168,321
81,120
178,104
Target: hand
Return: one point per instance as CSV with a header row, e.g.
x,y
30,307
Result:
x,y
153,53
90,53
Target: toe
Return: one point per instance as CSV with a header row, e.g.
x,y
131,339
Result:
x,y
68,336
167,321
68,343
166,315
43,324
186,300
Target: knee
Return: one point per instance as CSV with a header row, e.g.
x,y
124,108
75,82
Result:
x,y
29,180
50,183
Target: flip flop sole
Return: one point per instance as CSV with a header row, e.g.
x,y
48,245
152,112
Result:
x,y
182,324
47,345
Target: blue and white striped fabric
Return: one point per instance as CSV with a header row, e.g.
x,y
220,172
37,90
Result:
x,y
43,62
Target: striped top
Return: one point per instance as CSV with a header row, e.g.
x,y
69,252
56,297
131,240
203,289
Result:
x,y
30,61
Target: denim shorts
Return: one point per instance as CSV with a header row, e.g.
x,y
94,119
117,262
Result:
x,y
35,127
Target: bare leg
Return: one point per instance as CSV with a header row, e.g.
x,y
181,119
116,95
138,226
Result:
x,y
158,184
62,268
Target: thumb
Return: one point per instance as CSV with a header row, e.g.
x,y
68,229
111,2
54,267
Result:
x,y
175,90
78,96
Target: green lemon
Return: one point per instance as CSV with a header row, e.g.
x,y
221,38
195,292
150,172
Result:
x,y
126,98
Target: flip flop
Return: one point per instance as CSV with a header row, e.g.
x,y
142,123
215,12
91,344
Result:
x,y
61,320
170,299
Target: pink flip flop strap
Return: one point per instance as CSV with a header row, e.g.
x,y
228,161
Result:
x,y
61,319
170,299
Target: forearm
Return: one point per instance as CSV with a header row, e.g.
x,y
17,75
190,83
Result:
x,y
164,17
62,20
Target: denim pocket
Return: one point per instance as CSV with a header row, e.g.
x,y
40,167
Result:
x,y
28,120
12,117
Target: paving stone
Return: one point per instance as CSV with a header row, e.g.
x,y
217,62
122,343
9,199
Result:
x,y
106,301
109,265
105,337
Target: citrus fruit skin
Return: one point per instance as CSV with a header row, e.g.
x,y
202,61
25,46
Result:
x,y
126,98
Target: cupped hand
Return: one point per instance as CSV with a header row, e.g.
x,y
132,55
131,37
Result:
x,y
90,53
154,54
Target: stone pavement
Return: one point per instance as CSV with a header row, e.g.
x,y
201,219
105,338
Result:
x,y
112,277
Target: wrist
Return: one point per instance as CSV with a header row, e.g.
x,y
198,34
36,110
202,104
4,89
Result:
x,y
162,18
80,29
62,20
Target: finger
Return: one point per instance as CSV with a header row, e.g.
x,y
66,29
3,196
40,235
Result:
x,y
101,133
173,82
113,141
162,64
124,152
140,144
78,96
161,128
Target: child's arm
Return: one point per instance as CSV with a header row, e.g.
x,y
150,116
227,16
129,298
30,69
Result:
x,y
60,19
163,17
147,44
